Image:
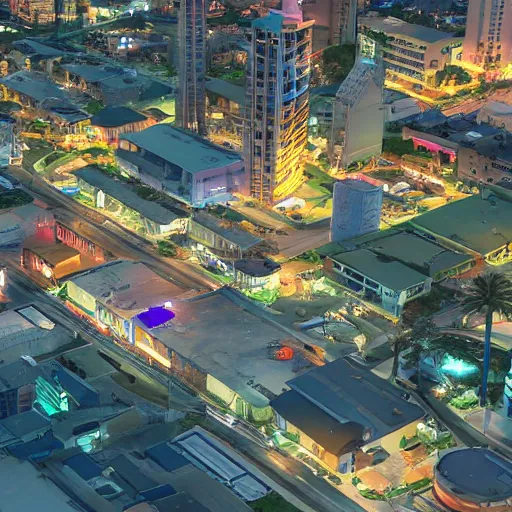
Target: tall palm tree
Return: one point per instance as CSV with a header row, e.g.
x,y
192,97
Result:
x,y
489,293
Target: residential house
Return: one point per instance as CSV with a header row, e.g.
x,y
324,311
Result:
x,y
340,411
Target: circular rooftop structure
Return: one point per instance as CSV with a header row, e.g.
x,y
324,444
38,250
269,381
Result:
x,y
474,479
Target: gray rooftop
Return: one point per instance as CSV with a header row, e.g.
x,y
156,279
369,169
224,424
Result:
x,y
118,190
478,224
477,473
26,424
91,73
395,26
232,92
236,355
186,150
128,287
349,393
28,46
17,374
33,84
410,249
236,235
389,273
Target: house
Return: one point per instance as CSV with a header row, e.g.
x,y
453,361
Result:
x,y
119,200
41,56
341,410
477,225
110,122
182,165
114,294
253,275
386,282
211,238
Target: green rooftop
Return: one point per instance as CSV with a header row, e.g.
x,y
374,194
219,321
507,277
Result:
x,y
480,225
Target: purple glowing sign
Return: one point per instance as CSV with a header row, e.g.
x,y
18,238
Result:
x,y
154,317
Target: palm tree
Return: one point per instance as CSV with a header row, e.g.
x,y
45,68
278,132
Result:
x,y
488,293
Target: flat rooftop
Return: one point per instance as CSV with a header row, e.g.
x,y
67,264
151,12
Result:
x,y
399,27
390,273
128,287
477,473
51,253
237,354
360,185
186,150
347,392
234,234
118,190
17,477
411,249
481,225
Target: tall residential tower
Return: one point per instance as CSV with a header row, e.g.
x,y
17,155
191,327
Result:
x,y
488,40
277,104
191,100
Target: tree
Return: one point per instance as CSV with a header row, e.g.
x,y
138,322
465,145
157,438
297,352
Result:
x,y
488,293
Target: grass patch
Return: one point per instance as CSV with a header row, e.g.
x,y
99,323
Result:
x,y
273,502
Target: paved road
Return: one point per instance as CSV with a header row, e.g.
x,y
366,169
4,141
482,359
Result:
x,y
110,235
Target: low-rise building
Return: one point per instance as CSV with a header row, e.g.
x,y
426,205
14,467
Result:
x,y
412,53
211,236
497,114
473,479
110,122
339,410
236,365
112,295
49,262
114,85
117,199
253,275
477,225
35,90
388,283
445,137
182,165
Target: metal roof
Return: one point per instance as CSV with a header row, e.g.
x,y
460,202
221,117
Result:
x,y
347,392
232,92
117,116
395,26
389,273
481,225
118,190
186,150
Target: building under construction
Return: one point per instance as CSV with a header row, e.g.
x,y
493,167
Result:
x,y
42,12
358,121
276,123
191,99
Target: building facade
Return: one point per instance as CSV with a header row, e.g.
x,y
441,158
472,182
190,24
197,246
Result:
x,y
488,40
191,104
359,99
42,12
356,209
277,104
412,53
335,21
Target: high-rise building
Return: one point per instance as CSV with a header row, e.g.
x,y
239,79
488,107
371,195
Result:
x,y
358,120
277,106
191,99
335,21
488,39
